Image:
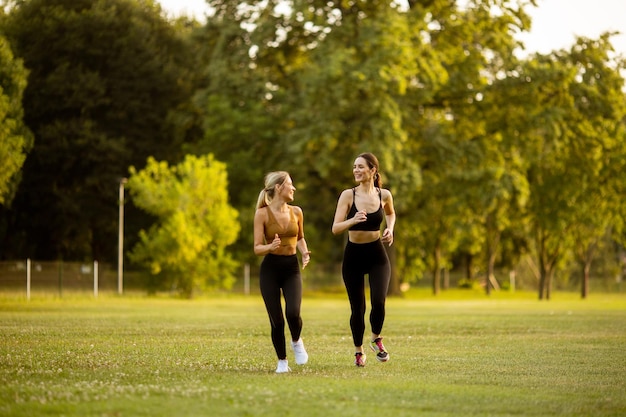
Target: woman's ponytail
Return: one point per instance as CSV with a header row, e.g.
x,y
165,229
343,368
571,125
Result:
x,y
271,181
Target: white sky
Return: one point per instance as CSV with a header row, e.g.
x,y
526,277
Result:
x,y
188,7
555,23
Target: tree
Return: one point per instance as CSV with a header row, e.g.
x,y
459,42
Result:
x,y
105,78
467,178
311,88
186,247
598,148
15,138
347,100
242,116
567,114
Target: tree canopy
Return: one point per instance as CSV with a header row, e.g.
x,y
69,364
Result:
x,y
195,223
15,138
494,160
105,77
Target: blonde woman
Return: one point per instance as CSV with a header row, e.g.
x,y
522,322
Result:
x,y
278,234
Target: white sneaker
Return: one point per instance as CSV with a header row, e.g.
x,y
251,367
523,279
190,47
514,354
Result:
x,y
283,366
298,348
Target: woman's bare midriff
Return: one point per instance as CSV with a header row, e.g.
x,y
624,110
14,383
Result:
x,y
363,236
285,251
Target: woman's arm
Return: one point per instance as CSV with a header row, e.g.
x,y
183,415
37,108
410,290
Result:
x,y
304,250
390,217
340,224
260,247
301,244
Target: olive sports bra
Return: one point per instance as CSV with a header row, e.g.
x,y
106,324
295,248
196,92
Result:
x,y
374,220
289,235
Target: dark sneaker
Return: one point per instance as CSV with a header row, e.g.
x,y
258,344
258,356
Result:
x,y
359,359
381,353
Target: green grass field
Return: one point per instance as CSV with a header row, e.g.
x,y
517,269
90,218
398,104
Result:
x,y
460,354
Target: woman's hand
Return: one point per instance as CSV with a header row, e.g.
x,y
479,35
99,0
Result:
x,y
360,217
275,243
306,257
387,237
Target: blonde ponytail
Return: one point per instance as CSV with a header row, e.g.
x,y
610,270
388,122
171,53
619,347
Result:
x,y
272,179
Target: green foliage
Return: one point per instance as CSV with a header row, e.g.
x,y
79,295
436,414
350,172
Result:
x,y
466,175
105,77
431,89
491,159
186,247
241,127
565,119
15,138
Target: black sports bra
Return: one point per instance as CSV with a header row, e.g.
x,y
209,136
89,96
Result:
x,y
374,220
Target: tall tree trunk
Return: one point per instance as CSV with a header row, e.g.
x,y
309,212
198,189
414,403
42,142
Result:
x,y
542,278
493,239
489,272
541,257
585,284
468,267
491,260
437,271
549,284
585,260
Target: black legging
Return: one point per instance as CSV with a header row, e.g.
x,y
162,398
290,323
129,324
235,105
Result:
x,y
282,272
360,259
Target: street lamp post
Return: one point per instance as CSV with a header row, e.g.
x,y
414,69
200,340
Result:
x,y
120,245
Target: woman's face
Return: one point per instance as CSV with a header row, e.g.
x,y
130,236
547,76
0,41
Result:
x,y
361,170
286,189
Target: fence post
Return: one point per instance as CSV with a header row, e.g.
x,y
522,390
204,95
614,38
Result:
x,y
120,239
95,279
246,279
28,279
512,280
60,266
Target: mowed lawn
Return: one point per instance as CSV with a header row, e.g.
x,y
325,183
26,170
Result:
x,y
459,354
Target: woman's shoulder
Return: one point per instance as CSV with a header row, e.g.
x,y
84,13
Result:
x,y
347,192
296,209
261,212
385,193
345,196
